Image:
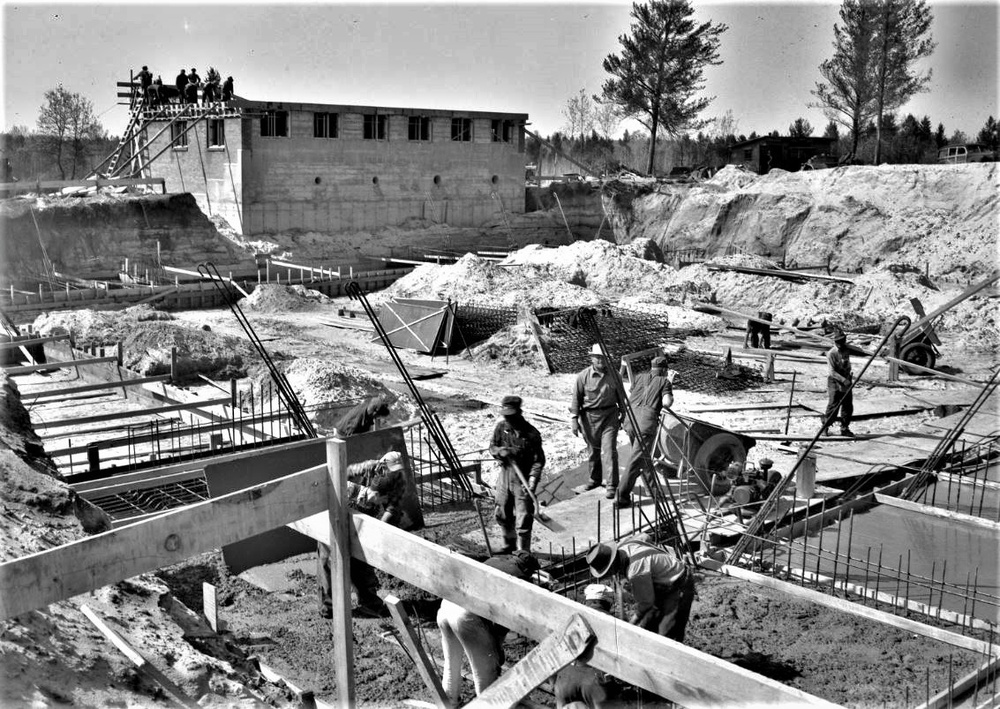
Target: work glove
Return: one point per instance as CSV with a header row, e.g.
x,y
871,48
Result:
x,y
575,426
533,482
503,453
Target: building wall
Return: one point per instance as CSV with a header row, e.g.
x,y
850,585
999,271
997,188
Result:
x,y
347,183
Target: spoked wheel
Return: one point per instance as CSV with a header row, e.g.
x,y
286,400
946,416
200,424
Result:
x,y
714,456
919,354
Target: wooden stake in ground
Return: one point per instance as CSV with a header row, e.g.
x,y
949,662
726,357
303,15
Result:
x,y
412,644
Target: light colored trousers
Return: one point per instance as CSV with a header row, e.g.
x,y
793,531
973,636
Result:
x,y
465,633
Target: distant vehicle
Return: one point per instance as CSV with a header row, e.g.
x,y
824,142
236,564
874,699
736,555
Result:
x,y
970,152
820,162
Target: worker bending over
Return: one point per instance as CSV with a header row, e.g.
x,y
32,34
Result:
x,y
662,584
518,446
579,685
479,639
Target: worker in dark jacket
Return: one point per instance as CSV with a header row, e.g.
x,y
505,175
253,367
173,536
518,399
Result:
x,y
227,89
375,488
578,684
758,334
193,84
362,417
597,411
662,584
181,82
145,78
838,381
518,446
651,393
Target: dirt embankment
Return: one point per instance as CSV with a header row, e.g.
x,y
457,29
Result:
x,y
938,217
90,236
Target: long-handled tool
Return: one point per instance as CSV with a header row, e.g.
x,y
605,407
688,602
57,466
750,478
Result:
x,y
543,518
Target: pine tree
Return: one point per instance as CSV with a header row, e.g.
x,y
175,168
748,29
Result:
x,y
800,128
989,135
660,68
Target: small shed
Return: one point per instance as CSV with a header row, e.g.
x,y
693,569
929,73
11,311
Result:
x,y
762,154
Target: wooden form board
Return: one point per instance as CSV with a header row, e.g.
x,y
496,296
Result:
x,y
114,416
36,580
640,657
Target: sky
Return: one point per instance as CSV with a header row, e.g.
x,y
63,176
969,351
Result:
x,y
528,57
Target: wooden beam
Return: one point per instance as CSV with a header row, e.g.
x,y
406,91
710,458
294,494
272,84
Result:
x,y
28,368
978,678
936,512
131,414
338,529
639,657
196,274
840,604
100,386
36,580
411,643
33,341
547,658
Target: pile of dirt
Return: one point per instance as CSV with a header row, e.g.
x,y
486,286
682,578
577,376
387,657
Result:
x,y
472,280
148,342
605,268
327,388
939,217
273,298
514,346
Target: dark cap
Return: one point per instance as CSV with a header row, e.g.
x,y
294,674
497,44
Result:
x,y
659,362
839,336
510,405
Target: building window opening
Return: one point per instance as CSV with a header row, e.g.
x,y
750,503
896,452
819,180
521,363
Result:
x,y
274,124
748,154
326,125
216,133
419,128
178,135
502,131
461,129
376,127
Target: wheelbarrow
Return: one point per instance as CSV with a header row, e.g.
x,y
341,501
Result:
x,y
704,449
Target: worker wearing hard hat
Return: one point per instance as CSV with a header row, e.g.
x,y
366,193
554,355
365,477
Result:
x,y
597,411
662,584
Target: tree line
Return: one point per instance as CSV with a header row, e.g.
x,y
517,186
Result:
x,y
67,143
657,77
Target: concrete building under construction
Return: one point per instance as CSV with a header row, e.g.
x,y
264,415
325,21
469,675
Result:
x,y
271,166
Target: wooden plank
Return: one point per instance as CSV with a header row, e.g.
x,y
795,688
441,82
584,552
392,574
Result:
x,y
978,678
174,692
28,368
131,414
210,605
637,656
937,512
36,580
412,644
824,599
100,386
550,656
338,534
16,344
112,487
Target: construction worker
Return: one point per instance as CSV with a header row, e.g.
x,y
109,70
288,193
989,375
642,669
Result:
x,y
227,89
156,92
662,584
145,78
838,382
181,83
479,639
758,334
518,446
375,488
651,393
598,410
193,84
578,684
363,417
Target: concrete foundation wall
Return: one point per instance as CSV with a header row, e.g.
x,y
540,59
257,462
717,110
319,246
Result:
x,y
266,185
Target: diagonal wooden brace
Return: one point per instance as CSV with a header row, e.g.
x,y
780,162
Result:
x,y
552,654
428,672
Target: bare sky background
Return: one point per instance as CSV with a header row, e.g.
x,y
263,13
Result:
x,y
525,58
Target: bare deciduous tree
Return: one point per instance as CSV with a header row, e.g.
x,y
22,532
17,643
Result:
x,y
67,121
579,114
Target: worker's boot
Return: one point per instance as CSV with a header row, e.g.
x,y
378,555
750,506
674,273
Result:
x,y
524,542
509,545
846,431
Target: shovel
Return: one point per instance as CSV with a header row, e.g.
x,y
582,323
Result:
x,y
543,518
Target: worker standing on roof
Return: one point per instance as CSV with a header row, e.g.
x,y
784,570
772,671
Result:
x,y
193,84
662,584
651,393
181,81
376,488
838,382
145,78
597,410
518,446
227,89
479,639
